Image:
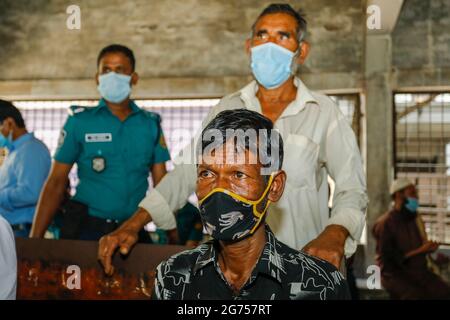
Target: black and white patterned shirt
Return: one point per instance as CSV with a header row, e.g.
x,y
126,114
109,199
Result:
x,y
281,273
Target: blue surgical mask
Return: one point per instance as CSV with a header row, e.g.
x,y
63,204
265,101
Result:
x,y
412,204
114,87
6,142
271,64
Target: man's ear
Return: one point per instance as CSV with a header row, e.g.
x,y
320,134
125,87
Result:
x,y
304,51
134,78
9,124
248,46
96,78
277,187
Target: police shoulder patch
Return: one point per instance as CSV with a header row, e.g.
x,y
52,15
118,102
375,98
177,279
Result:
x,y
62,137
162,142
73,110
152,115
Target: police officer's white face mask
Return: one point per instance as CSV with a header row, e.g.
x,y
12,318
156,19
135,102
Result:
x,y
114,87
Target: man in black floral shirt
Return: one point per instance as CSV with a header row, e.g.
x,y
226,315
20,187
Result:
x,y
238,175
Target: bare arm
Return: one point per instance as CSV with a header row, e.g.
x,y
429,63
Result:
x,y
427,247
158,172
50,199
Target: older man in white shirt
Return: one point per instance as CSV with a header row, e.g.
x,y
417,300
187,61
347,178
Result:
x,y
318,141
8,262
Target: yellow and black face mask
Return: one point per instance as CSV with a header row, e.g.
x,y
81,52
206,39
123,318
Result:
x,y
228,216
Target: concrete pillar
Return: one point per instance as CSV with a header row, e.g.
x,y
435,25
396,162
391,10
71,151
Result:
x,y
379,117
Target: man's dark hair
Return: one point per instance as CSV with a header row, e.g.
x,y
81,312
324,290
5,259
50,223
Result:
x,y
8,110
243,119
115,48
286,8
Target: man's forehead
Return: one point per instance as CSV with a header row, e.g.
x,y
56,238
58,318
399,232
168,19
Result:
x,y
252,170
115,59
277,20
230,154
230,148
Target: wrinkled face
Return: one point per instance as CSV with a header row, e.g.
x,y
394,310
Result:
x,y
279,28
227,168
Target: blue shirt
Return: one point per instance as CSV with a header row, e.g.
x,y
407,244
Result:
x,y
22,176
113,157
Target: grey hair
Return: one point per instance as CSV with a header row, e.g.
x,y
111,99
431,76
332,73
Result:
x,y
285,8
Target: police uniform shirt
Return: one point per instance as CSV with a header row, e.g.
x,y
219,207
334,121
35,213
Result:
x,y
113,157
281,273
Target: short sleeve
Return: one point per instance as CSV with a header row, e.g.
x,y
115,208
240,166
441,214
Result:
x,y
161,153
68,146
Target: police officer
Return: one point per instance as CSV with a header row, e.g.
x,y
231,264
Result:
x,y
114,145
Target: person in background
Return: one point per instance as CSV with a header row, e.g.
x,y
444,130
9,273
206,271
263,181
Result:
x,y
8,262
115,146
402,250
23,171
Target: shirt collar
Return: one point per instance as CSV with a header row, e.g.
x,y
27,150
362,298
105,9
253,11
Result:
x,y
102,105
270,262
21,140
248,95
207,256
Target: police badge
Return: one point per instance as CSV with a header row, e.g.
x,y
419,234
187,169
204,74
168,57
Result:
x,y
98,164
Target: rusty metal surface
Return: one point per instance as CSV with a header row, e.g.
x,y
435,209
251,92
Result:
x,y
43,273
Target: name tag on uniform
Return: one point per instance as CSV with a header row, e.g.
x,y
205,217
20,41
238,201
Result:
x,y
98,137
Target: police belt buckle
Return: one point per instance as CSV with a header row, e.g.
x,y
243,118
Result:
x,y
98,164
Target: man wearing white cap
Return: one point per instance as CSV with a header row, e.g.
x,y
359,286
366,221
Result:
x,y
402,249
